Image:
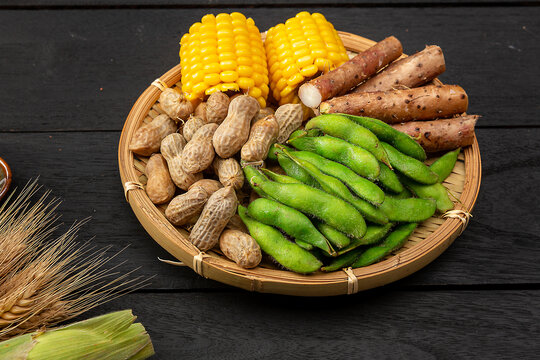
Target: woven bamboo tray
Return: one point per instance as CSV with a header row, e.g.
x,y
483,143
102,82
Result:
x,y
429,240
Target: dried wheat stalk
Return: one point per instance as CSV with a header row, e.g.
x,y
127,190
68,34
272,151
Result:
x,y
46,280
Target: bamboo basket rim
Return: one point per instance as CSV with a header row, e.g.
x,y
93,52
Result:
x,y
281,281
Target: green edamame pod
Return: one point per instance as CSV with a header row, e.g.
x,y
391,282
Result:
x,y
374,233
435,191
302,132
397,139
408,210
251,174
335,187
290,220
358,159
337,238
389,180
272,242
328,208
272,153
409,166
284,179
342,261
362,187
348,255
405,194
295,171
444,165
394,241
304,245
346,129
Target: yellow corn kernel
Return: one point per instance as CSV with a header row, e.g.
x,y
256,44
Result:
x,y
257,78
212,89
208,19
265,90
304,61
212,58
280,85
228,65
299,49
224,53
334,57
245,71
323,65
229,87
246,83
289,71
212,68
197,77
287,90
227,56
228,76
200,88
262,102
287,99
309,71
295,79
212,79
255,92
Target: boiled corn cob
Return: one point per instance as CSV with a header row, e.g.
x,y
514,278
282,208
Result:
x,y
224,53
304,46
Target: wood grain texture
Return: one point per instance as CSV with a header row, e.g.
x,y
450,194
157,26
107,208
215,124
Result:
x,y
86,71
499,246
382,324
231,3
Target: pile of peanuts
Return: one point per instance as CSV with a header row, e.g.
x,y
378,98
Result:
x,y
210,142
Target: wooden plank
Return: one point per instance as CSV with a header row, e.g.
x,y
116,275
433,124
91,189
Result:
x,y
223,3
381,324
86,70
499,247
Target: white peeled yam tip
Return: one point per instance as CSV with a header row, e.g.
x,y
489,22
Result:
x,y
309,95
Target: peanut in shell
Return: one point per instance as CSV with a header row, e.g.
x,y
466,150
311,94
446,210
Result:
x,y
217,212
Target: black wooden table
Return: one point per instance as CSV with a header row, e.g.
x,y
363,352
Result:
x,y
70,71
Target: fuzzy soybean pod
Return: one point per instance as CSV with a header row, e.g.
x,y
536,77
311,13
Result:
x,y
295,171
358,159
394,241
359,185
337,238
317,203
343,128
410,167
272,153
389,179
252,175
444,165
436,192
348,255
374,233
284,179
290,220
406,193
335,187
386,133
272,242
408,210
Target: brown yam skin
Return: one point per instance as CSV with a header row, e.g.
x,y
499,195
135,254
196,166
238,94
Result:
x,y
395,106
342,79
410,72
441,135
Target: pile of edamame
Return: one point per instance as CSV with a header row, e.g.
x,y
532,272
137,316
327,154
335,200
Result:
x,y
354,191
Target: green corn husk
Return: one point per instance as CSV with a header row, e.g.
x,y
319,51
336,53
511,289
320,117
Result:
x,y
108,337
